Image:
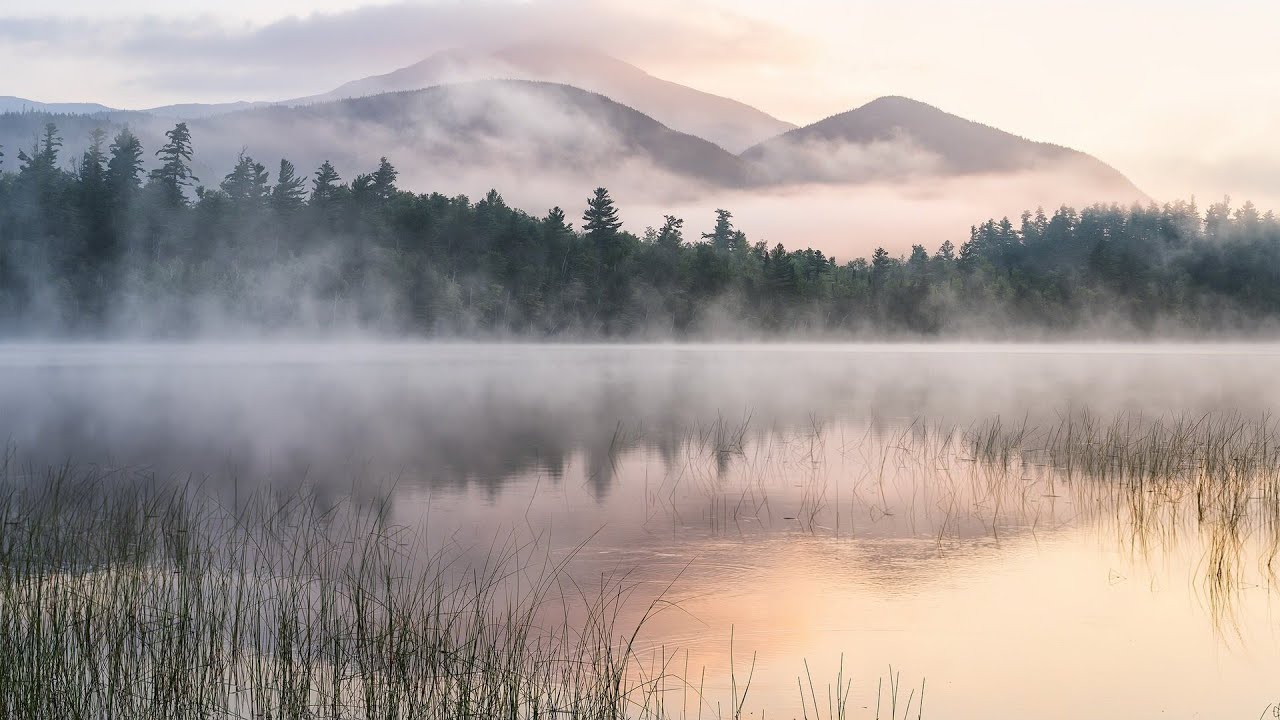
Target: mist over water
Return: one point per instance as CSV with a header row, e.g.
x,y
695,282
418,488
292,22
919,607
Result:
x,y
519,382
452,412
825,504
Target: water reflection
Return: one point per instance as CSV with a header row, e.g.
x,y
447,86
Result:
x,y
451,415
955,511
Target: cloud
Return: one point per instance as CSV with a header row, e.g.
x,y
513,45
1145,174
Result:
x,y
1243,173
307,54
852,220
790,160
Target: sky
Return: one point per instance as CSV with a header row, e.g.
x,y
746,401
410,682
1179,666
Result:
x,y
1181,96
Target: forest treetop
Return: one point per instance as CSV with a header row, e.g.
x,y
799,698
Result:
x,y
104,248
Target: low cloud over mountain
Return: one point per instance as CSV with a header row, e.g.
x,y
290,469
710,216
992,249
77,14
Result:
x,y
656,144
896,138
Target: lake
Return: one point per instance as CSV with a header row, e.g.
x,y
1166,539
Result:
x,y
1052,531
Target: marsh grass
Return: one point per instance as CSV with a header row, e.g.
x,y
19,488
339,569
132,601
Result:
x,y
124,597
1157,481
122,601
1152,484
1223,468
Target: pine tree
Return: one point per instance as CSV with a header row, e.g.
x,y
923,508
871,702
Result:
x,y
383,180
93,164
324,189
611,286
49,145
722,236
919,258
881,263
43,160
124,167
95,206
174,174
781,273
362,187
289,192
671,235
95,196
558,236
247,181
601,218
555,222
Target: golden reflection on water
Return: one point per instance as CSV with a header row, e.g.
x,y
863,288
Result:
x,y
1014,587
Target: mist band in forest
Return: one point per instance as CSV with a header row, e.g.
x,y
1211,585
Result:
x,y
104,248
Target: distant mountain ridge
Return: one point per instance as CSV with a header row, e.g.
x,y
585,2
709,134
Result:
x,y
926,140
520,128
469,115
482,124
8,104
196,111
728,123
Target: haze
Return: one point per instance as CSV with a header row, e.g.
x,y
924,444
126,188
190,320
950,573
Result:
x,y
1178,118
523,358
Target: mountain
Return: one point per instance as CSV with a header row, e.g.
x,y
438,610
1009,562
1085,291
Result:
x,y
627,118
896,137
540,138
502,128
728,123
183,111
493,133
21,130
8,103
193,111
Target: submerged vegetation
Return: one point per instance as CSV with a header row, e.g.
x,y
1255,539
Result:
x,y
103,249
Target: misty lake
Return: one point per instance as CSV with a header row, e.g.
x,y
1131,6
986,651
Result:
x,y
1051,531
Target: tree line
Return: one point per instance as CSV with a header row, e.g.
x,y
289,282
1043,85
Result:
x,y
99,246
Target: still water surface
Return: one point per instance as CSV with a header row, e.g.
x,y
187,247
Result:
x,y
819,504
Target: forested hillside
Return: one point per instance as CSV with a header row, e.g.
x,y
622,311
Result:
x,y
109,249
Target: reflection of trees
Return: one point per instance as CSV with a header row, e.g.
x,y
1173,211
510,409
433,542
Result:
x,y
443,423
453,416
1159,485
483,416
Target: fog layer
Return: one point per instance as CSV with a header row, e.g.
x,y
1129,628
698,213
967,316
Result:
x,y
446,415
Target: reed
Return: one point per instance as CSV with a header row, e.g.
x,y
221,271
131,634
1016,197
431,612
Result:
x,y
121,601
121,596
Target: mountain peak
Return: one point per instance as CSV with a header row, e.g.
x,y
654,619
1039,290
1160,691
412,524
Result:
x,y
897,102
728,123
896,108
901,136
